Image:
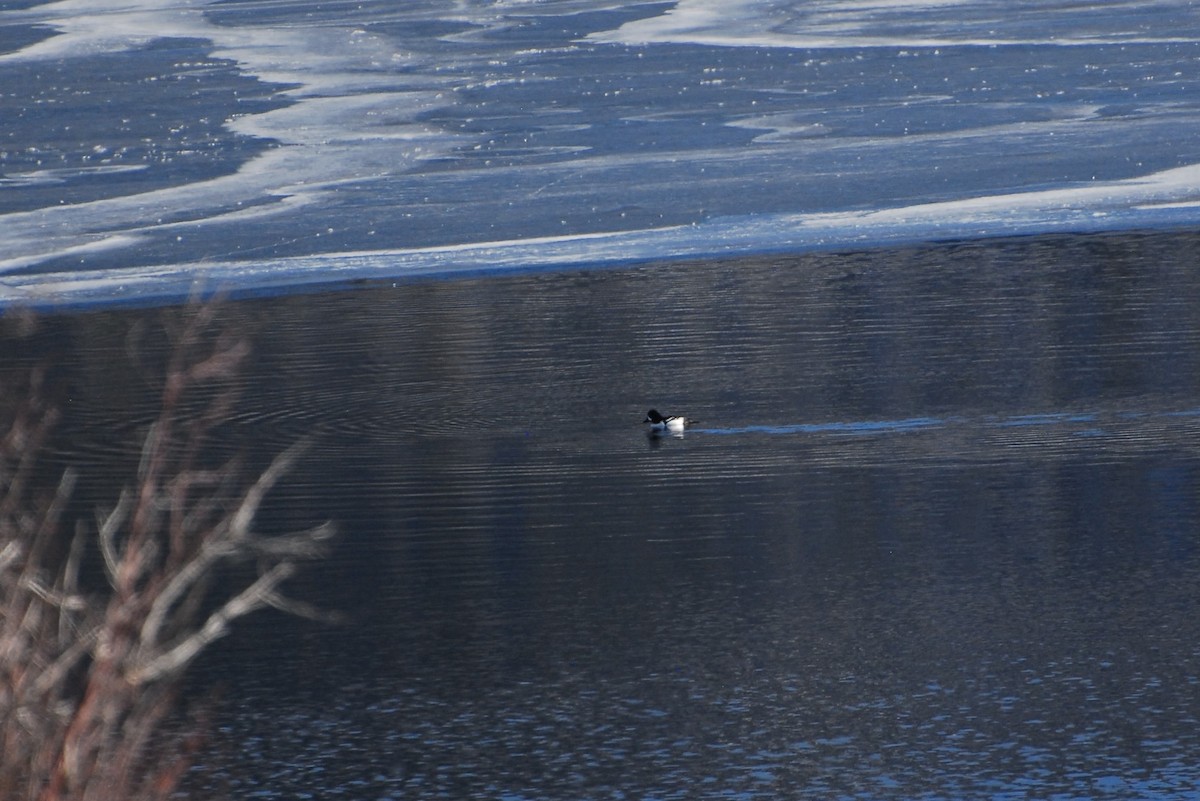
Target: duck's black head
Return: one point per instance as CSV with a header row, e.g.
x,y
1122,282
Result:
x,y
653,416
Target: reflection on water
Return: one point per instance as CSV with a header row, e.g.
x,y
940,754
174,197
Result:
x,y
936,536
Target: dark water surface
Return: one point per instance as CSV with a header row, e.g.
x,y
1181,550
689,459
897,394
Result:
x,y
935,535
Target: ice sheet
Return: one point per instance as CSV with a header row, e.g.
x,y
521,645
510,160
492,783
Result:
x,y
311,142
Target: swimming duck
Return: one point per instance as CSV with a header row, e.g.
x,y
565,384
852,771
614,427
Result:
x,y
671,423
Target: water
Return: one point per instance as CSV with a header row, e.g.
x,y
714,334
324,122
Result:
x,y
934,536
156,146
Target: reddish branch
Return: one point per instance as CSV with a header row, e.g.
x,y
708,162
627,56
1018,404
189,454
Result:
x,y
87,679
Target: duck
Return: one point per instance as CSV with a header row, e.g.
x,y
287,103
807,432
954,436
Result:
x,y
659,422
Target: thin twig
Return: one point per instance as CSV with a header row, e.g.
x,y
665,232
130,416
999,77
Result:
x,y
108,534
216,626
240,521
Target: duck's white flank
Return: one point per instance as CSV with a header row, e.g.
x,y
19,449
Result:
x,y
660,422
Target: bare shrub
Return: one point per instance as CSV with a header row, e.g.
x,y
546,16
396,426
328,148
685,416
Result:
x,y
88,677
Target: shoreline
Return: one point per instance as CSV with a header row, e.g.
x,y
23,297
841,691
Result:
x,y
153,287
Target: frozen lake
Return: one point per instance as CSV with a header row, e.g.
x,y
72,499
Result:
x,y
925,271
155,145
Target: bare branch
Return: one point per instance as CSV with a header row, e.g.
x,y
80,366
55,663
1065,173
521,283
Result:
x,y
54,674
68,584
248,600
10,553
53,513
221,363
195,570
149,448
108,534
293,606
308,544
70,603
240,521
86,679
301,545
